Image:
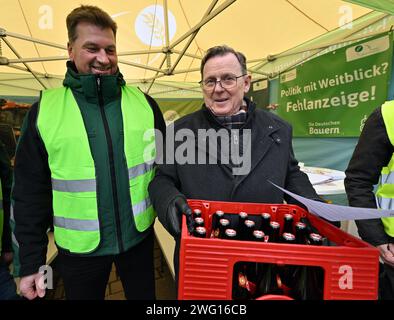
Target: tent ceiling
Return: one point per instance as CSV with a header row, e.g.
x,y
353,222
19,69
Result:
x,y
258,28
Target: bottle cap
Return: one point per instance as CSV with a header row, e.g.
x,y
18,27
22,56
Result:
x,y
258,234
243,214
249,223
288,236
231,233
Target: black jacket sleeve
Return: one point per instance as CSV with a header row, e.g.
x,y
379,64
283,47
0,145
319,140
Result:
x,y
6,183
161,188
31,196
372,153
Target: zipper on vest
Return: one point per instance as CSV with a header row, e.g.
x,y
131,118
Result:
x,y
111,165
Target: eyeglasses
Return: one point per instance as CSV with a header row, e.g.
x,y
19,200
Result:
x,y
228,82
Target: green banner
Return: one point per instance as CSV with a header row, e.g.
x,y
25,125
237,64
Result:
x,y
332,95
259,93
173,109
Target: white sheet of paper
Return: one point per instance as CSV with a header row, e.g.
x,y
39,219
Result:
x,y
317,178
334,212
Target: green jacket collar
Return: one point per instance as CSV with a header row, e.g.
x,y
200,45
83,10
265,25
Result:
x,y
87,85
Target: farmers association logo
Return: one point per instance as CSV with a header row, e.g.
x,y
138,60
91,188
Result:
x,y
150,26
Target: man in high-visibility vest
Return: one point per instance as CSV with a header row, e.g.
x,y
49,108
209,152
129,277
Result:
x,y
7,283
372,164
81,161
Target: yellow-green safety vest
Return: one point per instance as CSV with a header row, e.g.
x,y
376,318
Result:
x,y
385,191
74,186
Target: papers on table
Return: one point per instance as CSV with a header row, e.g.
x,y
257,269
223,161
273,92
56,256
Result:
x,y
317,178
335,212
329,174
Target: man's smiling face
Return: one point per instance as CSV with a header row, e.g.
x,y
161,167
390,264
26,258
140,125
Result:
x,y
225,102
94,50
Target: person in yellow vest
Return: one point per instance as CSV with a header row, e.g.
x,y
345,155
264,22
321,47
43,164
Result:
x,y
81,162
372,165
7,283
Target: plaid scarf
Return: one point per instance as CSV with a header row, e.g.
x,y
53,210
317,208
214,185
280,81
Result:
x,y
235,121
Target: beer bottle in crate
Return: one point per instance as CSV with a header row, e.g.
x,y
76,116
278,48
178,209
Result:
x,y
223,225
199,222
315,239
258,235
273,235
288,223
200,232
215,223
197,213
256,267
308,285
230,234
269,281
308,280
288,238
265,222
242,288
242,217
300,233
286,272
249,227
309,227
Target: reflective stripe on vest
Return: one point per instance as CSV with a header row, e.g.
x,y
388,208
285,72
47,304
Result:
x,y
76,217
385,191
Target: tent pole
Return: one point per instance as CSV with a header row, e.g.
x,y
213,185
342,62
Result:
x,y
167,50
157,76
209,10
138,65
25,60
187,54
203,21
182,53
46,43
132,53
26,65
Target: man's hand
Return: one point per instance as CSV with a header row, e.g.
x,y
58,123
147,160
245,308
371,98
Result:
x,y
387,253
176,208
7,257
32,286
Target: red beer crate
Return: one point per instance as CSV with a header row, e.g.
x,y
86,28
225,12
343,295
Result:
x,y
206,264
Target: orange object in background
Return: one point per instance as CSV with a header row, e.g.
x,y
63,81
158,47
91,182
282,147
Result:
x,y
8,104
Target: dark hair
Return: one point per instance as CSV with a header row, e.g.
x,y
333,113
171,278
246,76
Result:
x,y
221,51
89,14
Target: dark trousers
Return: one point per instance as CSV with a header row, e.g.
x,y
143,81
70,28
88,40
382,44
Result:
x,y
7,284
386,282
86,278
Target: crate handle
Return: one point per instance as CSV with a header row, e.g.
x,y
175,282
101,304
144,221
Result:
x,y
274,297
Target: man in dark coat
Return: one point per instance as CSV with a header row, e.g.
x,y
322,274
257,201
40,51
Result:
x,y
232,149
